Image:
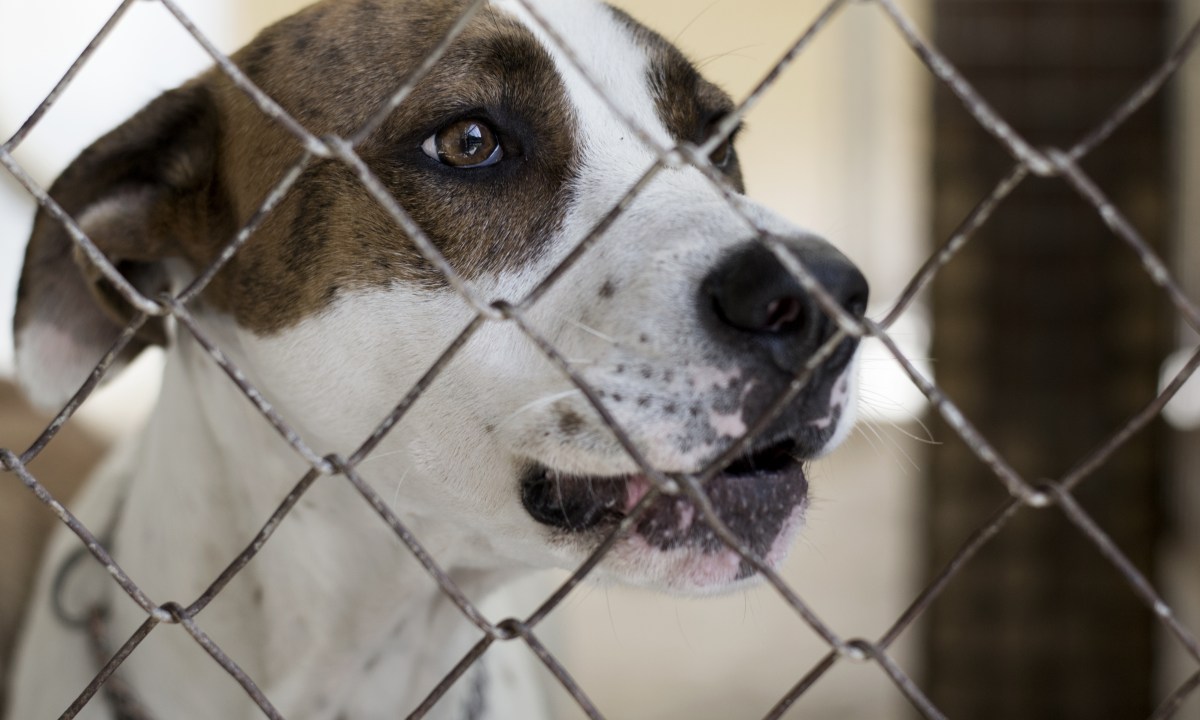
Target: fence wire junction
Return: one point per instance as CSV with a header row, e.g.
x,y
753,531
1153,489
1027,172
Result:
x,y
1061,163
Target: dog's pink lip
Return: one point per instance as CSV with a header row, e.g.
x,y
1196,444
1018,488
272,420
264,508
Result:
x,y
636,488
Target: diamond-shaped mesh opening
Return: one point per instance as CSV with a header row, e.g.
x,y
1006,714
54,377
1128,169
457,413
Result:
x,y
1063,165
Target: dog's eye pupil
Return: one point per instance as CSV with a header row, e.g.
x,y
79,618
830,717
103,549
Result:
x,y
722,154
471,141
464,144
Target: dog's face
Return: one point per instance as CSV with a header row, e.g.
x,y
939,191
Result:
x,y
683,323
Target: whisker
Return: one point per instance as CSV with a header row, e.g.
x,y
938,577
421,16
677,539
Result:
x,y
537,403
399,483
710,6
860,429
897,447
736,52
868,404
928,439
379,456
590,330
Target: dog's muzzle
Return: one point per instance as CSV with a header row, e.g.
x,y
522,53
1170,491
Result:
x,y
756,314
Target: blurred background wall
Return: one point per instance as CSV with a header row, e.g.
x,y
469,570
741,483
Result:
x,y
1050,335
844,144
1180,551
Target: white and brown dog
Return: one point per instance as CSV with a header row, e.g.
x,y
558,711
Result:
x,y
687,327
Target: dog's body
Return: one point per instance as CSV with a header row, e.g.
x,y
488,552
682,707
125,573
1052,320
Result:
x,y
686,327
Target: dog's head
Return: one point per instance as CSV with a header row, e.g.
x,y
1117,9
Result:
x,y
682,321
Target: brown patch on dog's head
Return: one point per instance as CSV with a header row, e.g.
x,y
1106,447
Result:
x,y
332,66
688,105
177,180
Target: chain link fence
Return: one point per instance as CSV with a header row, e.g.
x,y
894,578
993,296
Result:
x,y
1025,496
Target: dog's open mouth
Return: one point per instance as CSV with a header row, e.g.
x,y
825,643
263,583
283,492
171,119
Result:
x,y
757,497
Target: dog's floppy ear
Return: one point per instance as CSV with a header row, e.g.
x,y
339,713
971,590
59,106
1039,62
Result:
x,y
139,193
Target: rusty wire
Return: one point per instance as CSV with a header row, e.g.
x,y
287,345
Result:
x,y
1048,162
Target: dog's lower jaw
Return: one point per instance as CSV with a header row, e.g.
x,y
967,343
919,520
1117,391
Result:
x,y
334,618
760,498
760,501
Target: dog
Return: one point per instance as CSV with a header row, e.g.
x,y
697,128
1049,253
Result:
x,y
685,325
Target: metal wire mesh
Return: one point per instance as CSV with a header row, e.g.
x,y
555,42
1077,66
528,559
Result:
x,y
1025,496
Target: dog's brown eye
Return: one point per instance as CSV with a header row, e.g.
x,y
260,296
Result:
x,y
721,156
464,144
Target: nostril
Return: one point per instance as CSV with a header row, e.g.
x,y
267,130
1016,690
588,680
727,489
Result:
x,y
751,292
856,305
784,315
761,309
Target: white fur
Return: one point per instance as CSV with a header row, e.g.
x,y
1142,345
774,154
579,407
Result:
x,y
52,360
51,365
338,591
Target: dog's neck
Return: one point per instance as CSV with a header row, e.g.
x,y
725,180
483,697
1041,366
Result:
x,y
332,603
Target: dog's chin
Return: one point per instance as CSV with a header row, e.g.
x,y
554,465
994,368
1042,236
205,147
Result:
x,y
760,497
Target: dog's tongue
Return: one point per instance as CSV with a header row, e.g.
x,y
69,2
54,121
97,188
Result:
x,y
635,489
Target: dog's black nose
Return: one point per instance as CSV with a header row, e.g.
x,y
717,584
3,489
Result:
x,y
753,295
